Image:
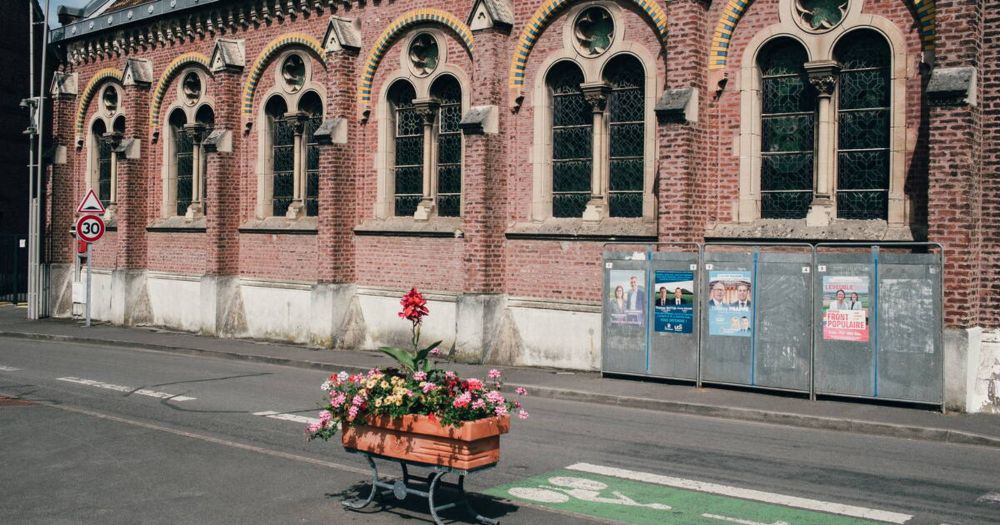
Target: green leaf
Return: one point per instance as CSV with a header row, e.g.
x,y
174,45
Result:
x,y
404,358
421,359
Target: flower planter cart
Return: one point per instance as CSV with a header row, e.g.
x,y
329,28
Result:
x,y
421,442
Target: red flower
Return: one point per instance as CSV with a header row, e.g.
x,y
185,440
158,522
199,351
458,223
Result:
x,y
414,306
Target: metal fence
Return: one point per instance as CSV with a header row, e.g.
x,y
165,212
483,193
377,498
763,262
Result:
x,y
845,319
13,268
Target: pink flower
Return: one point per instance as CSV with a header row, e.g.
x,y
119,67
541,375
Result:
x,y
494,397
463,400
324,416
338,400
449,374
500,410
420,376
414,306
479,404
474,384
494,374
521,391
436,352
352,412
429,387
521,414
314,427
358,400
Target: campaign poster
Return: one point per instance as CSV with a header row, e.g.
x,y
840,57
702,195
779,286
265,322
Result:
x,y
626,303
730,312
845,308
673,304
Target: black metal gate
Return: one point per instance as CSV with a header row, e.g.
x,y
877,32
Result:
x,y
13,268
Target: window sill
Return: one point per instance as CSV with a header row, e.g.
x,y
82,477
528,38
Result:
x,y
796,230
178,224
441,227
280,225
607,230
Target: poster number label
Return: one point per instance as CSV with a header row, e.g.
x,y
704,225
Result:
x,y
90,228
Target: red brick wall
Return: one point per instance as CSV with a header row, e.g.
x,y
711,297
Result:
x,y
697,168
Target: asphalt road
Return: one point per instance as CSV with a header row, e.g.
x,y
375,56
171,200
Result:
x,y
109,438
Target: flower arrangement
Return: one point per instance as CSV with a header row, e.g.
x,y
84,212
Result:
x,y
416,387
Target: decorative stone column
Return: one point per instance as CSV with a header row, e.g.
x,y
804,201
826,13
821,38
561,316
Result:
x,y
597,94
823,77
197,131
427,108
297,209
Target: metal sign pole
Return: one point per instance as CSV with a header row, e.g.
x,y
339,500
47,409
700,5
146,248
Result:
x,y
89,251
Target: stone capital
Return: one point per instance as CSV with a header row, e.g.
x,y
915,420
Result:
x,y
823,76
596,94
427,109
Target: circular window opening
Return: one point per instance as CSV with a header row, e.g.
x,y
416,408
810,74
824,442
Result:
x,y
594,31
820,15
110,98
424,55
192,87
293,71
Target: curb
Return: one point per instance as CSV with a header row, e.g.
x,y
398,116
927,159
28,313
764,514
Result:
x,y
742,414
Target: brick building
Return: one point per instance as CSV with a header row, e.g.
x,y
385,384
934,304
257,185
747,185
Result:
x,y
286,169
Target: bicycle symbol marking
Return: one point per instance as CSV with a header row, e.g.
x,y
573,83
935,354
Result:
x,y
563,488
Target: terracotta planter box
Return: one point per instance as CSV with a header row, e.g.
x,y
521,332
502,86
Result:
x,y
416,438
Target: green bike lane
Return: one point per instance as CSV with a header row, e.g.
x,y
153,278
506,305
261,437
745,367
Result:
x,y
639,498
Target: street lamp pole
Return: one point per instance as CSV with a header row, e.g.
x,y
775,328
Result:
x,y
36,162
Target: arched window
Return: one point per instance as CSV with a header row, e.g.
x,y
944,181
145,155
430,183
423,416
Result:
x,y
282,155
626,130
863,126
448,93
183,151
788,120
102,148
408,149
572,141
311,107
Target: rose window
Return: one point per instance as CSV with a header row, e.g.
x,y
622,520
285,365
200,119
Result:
x,y
594,31
424,54
293,71
821,15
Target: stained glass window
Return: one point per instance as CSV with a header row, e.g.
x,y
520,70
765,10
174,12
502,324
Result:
x,y
103,150
863,127
572,141
788,118
626,125
183,161
312,106
409,149
282,156
449,168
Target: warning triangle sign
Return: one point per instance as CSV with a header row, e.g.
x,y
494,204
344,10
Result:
x,y
91,204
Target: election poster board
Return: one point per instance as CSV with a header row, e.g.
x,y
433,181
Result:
x,y
846,304
729,303
673,304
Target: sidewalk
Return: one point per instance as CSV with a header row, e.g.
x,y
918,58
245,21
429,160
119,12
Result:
x,y
588,387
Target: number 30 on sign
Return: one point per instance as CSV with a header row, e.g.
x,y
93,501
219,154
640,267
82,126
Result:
x,y
90,228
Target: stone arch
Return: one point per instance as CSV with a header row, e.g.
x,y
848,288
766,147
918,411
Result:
x,y
718,54
271,50
541,18
88,94
398,26
175,66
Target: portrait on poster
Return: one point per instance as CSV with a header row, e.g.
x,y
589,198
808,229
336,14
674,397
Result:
x,y
673,304
626,304
730,309
845,308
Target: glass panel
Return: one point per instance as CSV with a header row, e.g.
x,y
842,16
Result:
x,y
408,160
449,171
863,127
788,120
104,171
282,150
184,147
572,142
627,130
312,165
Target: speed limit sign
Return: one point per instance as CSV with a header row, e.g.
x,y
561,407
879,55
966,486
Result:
x,y
90,228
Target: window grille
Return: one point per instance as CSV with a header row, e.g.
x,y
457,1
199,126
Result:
x,y
788,119
283,165
104,170
449,167
626,119
863,127
409,150
312,165
572,142
184,158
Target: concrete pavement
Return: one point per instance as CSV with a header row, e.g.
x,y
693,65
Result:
x,y
587,387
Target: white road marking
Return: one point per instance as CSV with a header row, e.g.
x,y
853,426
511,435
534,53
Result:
x,y
288,417
748,494
121,388
989,497
741,522
8,369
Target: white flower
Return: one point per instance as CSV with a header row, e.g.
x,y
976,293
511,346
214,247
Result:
x,y
326,386
342,376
